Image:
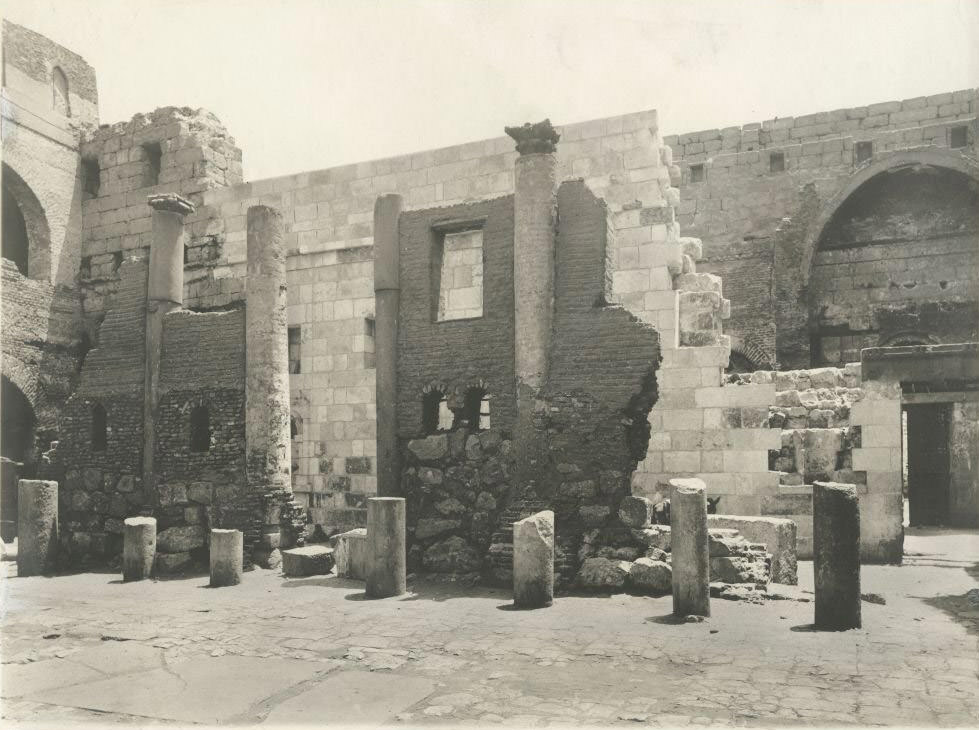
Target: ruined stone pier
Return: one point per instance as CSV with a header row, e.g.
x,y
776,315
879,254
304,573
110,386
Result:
x,y
138,548
386,565
37,526
268,444
836,555
690,548
226,560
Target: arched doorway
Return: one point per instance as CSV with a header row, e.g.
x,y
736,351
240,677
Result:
x,y
15,242
899,254
17,457
26,233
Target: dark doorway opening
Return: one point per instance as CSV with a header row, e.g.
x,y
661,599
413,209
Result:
x,y
927,474
16,453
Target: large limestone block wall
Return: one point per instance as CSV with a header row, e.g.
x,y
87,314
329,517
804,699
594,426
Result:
x,y
328,221
739,202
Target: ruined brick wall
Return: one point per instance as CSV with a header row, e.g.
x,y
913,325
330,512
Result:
x,y
964,458
592,421
103,486
739,183
456,355
203,365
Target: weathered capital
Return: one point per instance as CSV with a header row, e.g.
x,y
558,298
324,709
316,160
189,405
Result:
x,y
172,203
534,138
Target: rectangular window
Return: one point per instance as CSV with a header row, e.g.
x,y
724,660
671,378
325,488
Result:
x,y
295,349
776,162
864,151
461,276
153,156
696,173
957,137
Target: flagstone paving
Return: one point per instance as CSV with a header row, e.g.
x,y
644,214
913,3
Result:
x,y
275,651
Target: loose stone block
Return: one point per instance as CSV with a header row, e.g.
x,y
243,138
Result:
x,y
350,554
836,555
37,526
636,511
603,574
386,571
690,553
227,557
138,547
651,576
309,560
533,561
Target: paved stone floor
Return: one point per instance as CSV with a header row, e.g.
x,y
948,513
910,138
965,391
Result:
x,y
91,649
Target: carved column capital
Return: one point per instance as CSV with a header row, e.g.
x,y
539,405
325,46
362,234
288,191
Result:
x,y
534,138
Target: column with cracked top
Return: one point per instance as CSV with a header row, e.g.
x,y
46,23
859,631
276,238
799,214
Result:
x,y
533,561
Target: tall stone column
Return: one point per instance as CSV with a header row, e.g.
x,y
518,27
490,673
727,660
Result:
x,y
267,438
690,547
836,555
534,231
164,294
387,301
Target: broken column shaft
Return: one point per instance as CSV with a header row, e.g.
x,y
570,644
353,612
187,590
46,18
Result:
x,y
533,561
138,547
268,446
164,294
689,547
226,557
836,555
37,526
387,300
386,566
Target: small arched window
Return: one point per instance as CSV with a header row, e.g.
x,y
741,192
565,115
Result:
x,y
100,428
295,427
59,92
477,409
436,415
200,429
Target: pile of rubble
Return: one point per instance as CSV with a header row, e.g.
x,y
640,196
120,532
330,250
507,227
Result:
x,y
739,569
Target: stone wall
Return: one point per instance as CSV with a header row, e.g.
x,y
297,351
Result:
x,y
751,182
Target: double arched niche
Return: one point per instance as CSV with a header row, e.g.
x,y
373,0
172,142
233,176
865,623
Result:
x,y
445,410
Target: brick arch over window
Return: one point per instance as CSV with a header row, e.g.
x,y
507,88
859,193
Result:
x,y
35,223
750,352
887,162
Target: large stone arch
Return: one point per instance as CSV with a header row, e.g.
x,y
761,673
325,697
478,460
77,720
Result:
x,y
885,162
35,221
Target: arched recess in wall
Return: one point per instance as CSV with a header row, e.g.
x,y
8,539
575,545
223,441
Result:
x,y
27,242
884,256
746,356
886,162
60,101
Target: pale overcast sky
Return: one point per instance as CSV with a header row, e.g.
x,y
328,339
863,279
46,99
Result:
x,y
307,84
